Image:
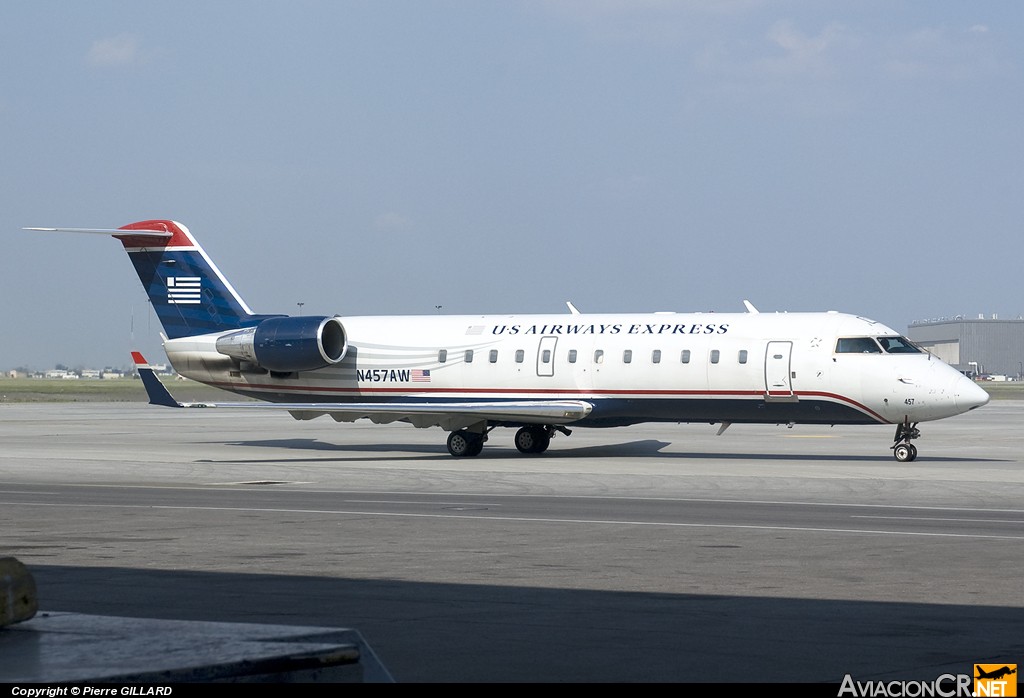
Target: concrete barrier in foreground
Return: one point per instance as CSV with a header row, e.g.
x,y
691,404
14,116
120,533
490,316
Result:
x,y
56,647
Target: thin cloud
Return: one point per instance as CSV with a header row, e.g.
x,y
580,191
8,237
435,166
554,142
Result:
x,y
391,221
937,53
655,22
801,54
123,49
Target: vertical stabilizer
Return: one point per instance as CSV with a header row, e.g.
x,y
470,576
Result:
x,y
187,290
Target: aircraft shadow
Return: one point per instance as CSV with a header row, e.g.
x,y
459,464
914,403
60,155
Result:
x,y
425,632
644,448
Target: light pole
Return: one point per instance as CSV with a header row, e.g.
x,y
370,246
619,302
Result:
x,y
300,307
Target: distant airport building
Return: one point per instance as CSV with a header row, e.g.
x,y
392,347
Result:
x,y
61,374
981,346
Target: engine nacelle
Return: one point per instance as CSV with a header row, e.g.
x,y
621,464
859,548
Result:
x,y
286,344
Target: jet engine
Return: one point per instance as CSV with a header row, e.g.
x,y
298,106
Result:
x,y
286,344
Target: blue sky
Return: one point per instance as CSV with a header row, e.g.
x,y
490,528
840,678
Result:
x,y
628,155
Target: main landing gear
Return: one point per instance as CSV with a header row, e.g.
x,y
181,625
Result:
x,y
902,449
532,438
465,443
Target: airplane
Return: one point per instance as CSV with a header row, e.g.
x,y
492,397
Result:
x,y
538,374
996,673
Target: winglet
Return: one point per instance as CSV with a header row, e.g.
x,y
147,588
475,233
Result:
x,y
156,391
750,307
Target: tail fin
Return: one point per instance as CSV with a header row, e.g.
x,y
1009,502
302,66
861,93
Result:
x,y
187,290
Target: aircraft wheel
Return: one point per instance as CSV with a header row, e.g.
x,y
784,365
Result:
x,y
905,453
526,439
532,439
465,444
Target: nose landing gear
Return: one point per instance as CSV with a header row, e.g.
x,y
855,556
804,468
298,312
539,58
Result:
x,y
902,449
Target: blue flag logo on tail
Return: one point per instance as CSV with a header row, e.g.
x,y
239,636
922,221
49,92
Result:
x,y
183,290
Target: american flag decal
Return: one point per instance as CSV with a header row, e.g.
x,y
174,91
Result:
x,y
419,376
183,290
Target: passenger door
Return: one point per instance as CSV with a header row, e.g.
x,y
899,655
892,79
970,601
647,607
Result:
x,y
778,382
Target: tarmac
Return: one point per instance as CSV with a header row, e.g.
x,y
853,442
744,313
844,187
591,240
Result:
x,y
655,553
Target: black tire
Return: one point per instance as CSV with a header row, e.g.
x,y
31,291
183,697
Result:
x,y
526,440
904,453
543,441
465,444
532,439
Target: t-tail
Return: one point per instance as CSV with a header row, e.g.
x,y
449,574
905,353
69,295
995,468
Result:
x,y
188,292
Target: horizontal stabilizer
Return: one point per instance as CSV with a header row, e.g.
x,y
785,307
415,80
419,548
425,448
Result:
x,y
107,231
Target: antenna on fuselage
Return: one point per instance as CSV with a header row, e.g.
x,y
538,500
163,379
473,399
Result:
x,y
572,308
750,307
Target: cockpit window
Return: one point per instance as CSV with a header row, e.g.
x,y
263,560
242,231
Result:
x,y
898,345
857,345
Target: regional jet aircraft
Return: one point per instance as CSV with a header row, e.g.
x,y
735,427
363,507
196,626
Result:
x,y
538,374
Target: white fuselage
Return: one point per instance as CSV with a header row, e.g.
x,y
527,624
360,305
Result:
x,y
714,367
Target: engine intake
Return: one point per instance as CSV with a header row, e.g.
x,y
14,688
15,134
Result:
x,y
286,344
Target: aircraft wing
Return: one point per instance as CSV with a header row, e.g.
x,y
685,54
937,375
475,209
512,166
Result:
x,y
448,415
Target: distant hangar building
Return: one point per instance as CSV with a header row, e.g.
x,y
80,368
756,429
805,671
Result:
x,y
975,346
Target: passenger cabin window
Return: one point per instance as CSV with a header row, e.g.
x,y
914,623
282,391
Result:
x,y
493,356
599,356
685,357
714,356
743,356
469,356
899,345
656,356
627,356
545,356
857,345
442,356
572,356
519,356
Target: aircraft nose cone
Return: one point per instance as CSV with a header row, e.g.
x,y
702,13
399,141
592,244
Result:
x,y
968,394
